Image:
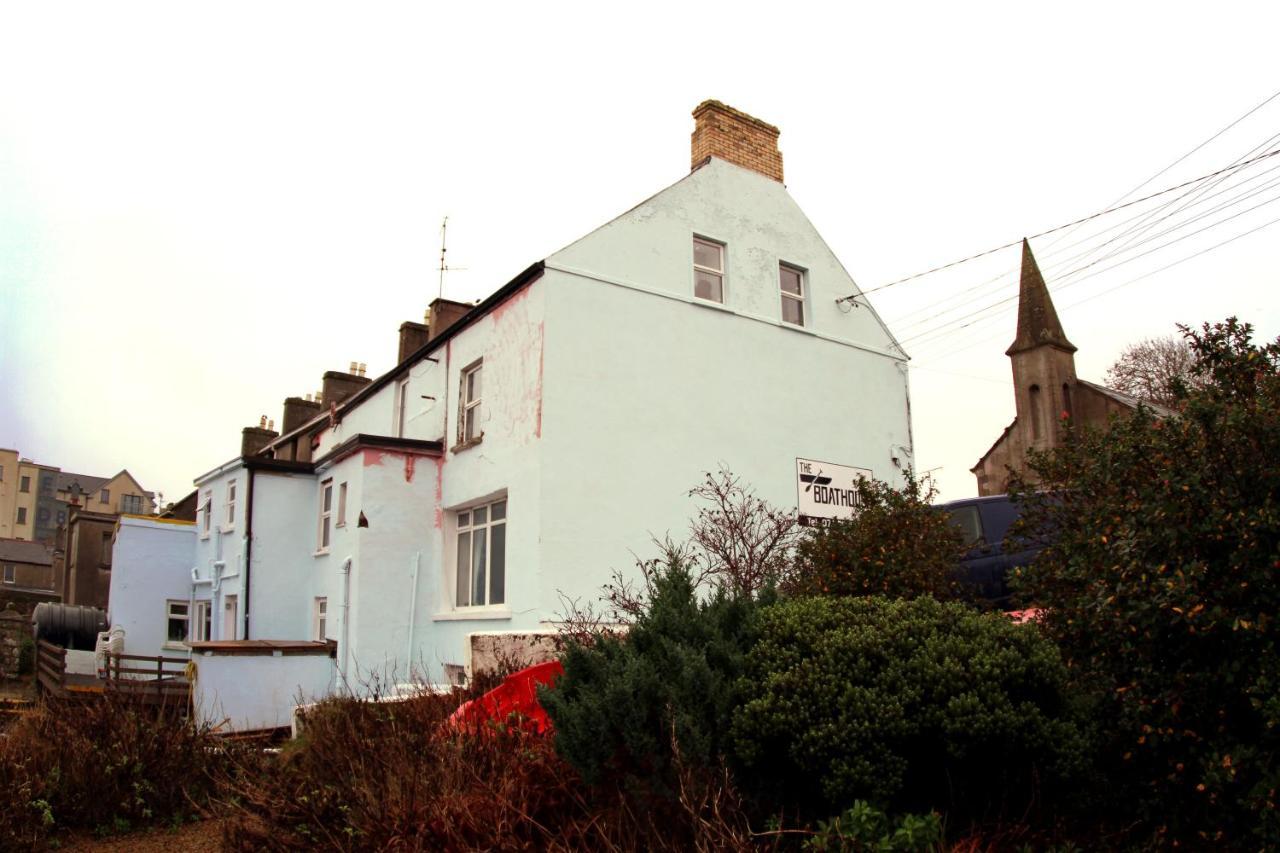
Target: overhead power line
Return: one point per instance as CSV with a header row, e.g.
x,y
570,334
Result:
x,y
1075,222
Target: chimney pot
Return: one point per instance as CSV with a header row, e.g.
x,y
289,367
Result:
x,y
744,140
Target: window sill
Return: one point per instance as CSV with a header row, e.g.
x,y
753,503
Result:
x,y
467,445
712,304
204,535
469,613
176,647
321,553
230,528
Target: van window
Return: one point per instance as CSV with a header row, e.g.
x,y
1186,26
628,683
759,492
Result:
x,y
966,518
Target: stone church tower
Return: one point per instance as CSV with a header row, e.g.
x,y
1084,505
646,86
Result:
x,y
1048,397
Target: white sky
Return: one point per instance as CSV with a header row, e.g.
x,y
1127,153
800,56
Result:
x,y
202,209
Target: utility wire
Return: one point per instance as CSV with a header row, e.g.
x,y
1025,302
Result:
x,y
1094,273
1066,225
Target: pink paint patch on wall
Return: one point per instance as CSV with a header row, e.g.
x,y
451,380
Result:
x,y
542,345
439,492
373,457
409,462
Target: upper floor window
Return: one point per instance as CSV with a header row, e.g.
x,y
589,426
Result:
x,y
46,484
482,555
206,508
131,504
22,515
708,270
402,405
24,484
791,281
469,412
178,618
326,513
106,496
342,506
231,503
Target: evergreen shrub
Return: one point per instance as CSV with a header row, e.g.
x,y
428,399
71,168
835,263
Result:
x,y
908,704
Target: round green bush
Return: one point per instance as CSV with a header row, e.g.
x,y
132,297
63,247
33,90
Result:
x,y
911,704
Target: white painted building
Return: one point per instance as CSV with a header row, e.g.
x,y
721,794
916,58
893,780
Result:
x,y
151,592
534,442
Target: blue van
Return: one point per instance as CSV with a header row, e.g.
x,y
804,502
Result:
x,y
985,523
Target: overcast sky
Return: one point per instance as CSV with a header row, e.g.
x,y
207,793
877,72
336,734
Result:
x,y
202,209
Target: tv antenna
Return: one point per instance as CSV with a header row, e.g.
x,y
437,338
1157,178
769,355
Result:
x,y
444,267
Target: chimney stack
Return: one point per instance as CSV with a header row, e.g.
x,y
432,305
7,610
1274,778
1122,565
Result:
x,y
413,336
254,438
721,131
443,314
297,412
339,386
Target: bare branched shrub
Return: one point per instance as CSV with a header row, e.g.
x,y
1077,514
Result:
x,y
1153,369
744,542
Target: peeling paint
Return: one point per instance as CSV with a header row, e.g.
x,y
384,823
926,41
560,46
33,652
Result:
x,y
439,492
373,457
542,346
409,462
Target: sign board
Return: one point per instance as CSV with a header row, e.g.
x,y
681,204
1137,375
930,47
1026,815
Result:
x,y
825,490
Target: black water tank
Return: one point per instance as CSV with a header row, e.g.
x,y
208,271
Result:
x,y
68,625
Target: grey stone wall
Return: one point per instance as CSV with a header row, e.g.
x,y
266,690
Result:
x,y
13,627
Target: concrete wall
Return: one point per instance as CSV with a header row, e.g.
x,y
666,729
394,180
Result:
x,y
247,692
151,565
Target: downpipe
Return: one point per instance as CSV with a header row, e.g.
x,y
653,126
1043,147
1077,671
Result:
x,y
346,621
413,609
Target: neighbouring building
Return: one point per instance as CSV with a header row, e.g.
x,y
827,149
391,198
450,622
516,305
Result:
x,y
1049,398
524,447
82,562
26,574
35,499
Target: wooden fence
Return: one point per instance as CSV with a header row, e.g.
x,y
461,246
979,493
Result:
x,y
150,679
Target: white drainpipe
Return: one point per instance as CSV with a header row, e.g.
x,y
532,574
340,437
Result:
x,y
346,620
413,609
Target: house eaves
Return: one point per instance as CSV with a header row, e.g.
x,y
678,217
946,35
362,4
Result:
x,y
362,441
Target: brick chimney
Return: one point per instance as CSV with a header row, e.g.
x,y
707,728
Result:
x,y
413,336
338,386
721,131
253,439
443,314
297,412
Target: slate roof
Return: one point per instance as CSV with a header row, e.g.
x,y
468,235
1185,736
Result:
x,y
1128,399
21,551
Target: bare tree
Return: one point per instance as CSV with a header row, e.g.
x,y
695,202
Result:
x,y
1151,368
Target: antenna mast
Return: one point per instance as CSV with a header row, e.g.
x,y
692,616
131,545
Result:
x,y
443,228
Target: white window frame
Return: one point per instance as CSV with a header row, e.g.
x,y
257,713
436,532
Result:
x,y
342,506
203,620
799,298
231,603
719,272
402,406
463,588
184,617
230,522
320,617
470,408
206,511
10,573
324,529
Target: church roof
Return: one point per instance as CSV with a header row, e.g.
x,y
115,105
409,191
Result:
x,y
1037,320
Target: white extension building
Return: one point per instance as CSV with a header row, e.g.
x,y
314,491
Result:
x,y
525,447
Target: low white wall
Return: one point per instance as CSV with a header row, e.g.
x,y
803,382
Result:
x,y
247,692
150,565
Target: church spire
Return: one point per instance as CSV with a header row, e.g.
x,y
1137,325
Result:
x,y
1037,321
